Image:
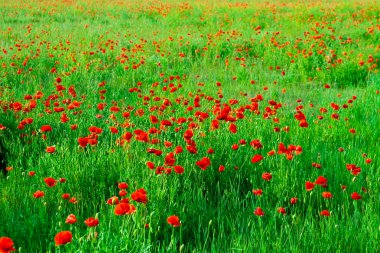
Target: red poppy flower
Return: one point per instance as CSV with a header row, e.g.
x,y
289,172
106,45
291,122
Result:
x,y
91,222
83,141
356,196
65,196
293,201
113,200
95,130
281,210
124,208
46,128
335,116
192,149
63,237
168,144
73,200
214,124
153,119
259,212
203,163
150,165
266,176
321,181
50,149
166,123
123,185
232,128
257,158
38,194
124,200
256,144
178,150
71,219
140,196
6,245
51,182
122,193
309,186
170,159
235,147
327,195
325,213
242,142
257,192
188,134
113,130
174,221
179,169
355,170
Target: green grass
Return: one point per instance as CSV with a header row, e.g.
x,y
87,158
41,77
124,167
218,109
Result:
x,y
142,50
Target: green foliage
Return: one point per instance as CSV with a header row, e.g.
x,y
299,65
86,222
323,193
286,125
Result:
x,y
184,60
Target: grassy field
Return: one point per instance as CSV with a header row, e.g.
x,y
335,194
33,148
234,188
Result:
x,y
199,126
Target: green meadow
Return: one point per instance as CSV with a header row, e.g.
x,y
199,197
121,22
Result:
x,y
198,126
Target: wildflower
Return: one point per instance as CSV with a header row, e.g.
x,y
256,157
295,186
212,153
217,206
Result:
x,y
169,159
309,186
62,238
50,149
203,163
113,200
46,128
259,212
140,196
257,158
150,165
73,200
256,144
65,196
179,169
124,208
325,213
71,219
356,196
232,128
174,221
327,195
266,176
122,193
123,185
51,182
257,192
6,245
281,210
91,222
38,194
321,181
